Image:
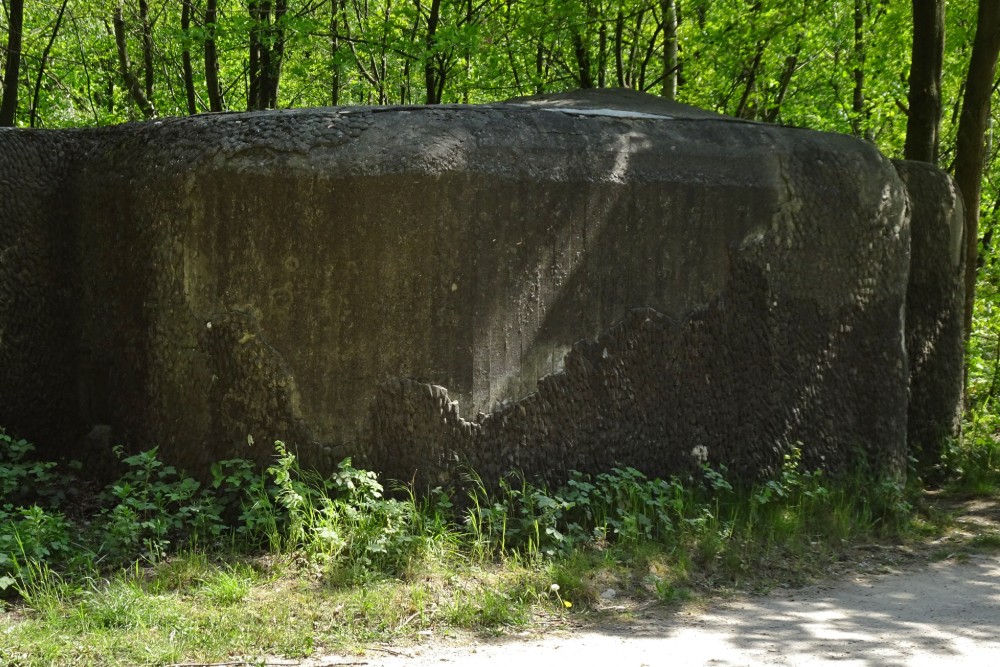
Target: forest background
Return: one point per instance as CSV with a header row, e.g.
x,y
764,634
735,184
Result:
x,y
916,78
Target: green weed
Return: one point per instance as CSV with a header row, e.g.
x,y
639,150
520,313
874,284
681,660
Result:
x,y
986,542
229,586
344,563
490,609
24,480
343,520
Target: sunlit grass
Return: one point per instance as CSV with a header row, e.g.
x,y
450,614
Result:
x,y
330,564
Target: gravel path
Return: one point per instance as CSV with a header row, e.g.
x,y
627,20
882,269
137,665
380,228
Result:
x,y
945,613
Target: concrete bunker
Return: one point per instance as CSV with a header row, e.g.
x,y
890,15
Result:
x,y
570,282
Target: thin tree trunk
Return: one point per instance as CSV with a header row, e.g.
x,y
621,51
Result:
x,y
602,54
468,55
215,102
335,10
858,101
125,68
582,61
406,97
430,71
540,68
669,10
12,67
742,109
619,49
924,120
33,115
970,152
86,68
513,64
372,77
648,56
791,63
630,60
264,54
276,55
186,10
256,53
147,47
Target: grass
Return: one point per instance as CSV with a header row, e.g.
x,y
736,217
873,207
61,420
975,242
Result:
x,y
147,616
288,563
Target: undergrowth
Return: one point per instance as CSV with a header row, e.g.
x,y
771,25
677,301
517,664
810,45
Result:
x,y
971,464
285,560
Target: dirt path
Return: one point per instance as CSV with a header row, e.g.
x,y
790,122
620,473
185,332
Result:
x,y
888,607
945,613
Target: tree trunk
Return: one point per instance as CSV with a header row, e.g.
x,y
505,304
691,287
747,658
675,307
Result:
x,y
540,68
406,94
33,115
186,10
582,60
669,10
858,101
924,119
602,54
970,152
12,68
147,47
125,68
647,55
468,54
743,109
630,60
430,71
619,49
513,64
215,102
369,72
791,63
276,55
256,66
335,10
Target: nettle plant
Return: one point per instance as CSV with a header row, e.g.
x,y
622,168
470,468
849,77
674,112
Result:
x,y
32,528
152,506
344,525
622,506
344,519
25,480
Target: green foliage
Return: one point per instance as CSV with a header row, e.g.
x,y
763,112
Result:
x,y
29,536
776,60
344,520
344,524
392,563
24,479
490,609
152,507
705,521
972,463
622,505
799,502
229,586
32,529
248,501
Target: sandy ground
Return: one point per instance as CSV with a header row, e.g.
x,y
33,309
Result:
x,y
944,613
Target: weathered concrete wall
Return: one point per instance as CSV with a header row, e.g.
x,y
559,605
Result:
x,y
38,338
934,312
592,287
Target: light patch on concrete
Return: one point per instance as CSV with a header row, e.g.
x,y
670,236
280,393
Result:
x,y
613,113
